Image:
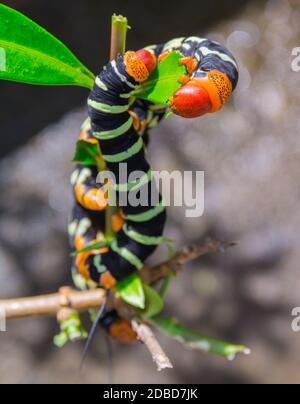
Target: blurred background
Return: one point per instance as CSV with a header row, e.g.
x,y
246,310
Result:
x,y
250,154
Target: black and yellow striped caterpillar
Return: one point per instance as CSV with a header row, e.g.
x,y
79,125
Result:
x,y
119,124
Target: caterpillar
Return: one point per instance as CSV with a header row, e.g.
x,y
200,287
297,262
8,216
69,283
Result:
x,y
119,125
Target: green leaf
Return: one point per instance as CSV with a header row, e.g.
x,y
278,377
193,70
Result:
x,y
131,291
95,246
163,82
30,54
192,339
60,340
71,330
87,153
153,303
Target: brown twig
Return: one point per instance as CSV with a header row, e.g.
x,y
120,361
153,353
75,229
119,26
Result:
x,y
50,305
146,335
182,257
85,300
68,299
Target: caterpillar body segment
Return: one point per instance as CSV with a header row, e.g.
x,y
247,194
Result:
x,y
109,112
86,190
210,56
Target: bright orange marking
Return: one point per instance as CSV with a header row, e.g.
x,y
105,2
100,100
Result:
x,y
122,331
81,258
92,140
78,242
83,134
217,85
81,265
143,127
79,192
190,64
90,199
107,280
139,126
93,199
135,67
117,222
184,79
135,120
163,56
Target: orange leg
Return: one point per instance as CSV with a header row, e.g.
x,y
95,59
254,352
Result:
x,y
117,221
140,126
190,63
163,56
184,79
122,331
81,259
107,280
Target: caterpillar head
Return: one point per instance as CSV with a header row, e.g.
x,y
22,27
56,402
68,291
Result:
x,y
148,58
201,95
190,101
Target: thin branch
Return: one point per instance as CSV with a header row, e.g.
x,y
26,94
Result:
x,y
84,300
182,257
146,336
51,304
68,299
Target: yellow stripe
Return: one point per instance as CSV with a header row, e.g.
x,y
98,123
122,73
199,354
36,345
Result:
x,y
109,109
127,255
112,134
117,158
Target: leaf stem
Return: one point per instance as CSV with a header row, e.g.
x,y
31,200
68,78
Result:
x,y
119,27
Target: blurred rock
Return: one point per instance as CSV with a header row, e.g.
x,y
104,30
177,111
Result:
x,y
11,283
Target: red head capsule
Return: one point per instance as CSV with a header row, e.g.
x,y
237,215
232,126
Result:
x,y
148,58
191,101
